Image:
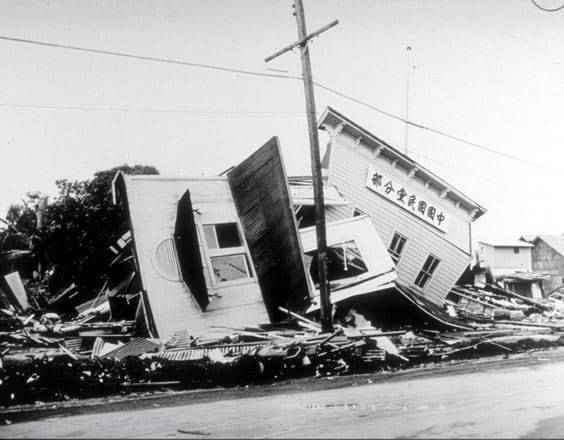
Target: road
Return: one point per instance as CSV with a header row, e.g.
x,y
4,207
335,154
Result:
x,y
503,399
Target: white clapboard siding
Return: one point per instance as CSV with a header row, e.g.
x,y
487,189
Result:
x,y
348,170
334,213
153,202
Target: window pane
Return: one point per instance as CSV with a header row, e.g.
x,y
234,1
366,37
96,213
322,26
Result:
x,y
343,261
211,240
396,247
228,235
434,264
230,267
394,242
400,244
421,279
426,264
306,216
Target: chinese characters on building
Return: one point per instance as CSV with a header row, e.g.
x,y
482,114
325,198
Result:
x,y
410,200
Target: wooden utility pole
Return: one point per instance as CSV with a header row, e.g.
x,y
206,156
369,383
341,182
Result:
x,y
304,38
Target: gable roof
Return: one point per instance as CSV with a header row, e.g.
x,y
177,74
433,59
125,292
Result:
x,y
516,243
528,238
556,242
332,118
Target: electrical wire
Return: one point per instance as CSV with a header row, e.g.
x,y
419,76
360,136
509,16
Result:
x,y
147,58
262,74
146,110
547,9
476,176
440,132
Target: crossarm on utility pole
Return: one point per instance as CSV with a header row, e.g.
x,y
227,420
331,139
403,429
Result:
x,y
302,41
319,203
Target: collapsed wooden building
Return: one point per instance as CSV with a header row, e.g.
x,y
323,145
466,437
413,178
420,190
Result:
x,y
230,250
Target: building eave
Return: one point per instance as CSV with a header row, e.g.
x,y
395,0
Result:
x,y
333,118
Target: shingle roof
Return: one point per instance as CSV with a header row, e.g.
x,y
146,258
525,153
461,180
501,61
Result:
x,y
556,242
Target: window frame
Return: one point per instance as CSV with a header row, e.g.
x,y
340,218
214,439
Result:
x,y
340,281
211,253
427,274
396,255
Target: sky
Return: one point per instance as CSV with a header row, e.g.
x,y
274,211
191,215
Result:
x,y
487,72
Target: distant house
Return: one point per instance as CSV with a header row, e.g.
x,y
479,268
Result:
x,y
424,221
507,257
548,258
511,266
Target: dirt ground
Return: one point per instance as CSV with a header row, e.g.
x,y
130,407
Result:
x,y
521,396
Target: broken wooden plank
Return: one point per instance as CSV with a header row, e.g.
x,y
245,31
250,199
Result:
x,y
525,299
300,318
532,324
16,287
476,300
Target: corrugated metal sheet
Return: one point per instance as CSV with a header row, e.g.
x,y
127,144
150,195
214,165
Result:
x,y
73,344
132,348
260,190
180,339
200,353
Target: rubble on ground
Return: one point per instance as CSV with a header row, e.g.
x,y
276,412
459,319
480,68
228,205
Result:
x,y
47,359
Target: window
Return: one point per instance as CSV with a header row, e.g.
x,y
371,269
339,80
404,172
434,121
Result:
x,y
230,267
228,256
305,216
223,235
343,261
427,271
165,261
396,247
516,250
358,212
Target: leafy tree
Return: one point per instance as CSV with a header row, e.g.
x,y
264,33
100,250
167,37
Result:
x,y
77,228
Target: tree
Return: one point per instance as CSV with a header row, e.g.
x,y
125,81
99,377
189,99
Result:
x,y
76,228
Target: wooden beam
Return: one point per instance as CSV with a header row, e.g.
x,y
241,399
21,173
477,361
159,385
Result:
x,y
302,41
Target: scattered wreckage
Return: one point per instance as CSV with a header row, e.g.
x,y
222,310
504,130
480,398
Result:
x,y
46,359
215,284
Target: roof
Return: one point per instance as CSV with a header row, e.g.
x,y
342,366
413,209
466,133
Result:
x,y
556,242
128,178
529,238
333,118
512,244
523,276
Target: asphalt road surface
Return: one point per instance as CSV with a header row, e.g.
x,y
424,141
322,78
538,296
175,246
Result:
x,y
516,398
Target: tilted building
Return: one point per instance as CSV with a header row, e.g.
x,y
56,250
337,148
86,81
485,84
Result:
x,y
425,222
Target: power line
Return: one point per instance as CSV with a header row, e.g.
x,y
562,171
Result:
x,y
147,58
262,74
439,132
146,110
477,176
547,9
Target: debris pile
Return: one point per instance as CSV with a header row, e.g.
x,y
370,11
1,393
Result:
x,y
59,367
492,304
